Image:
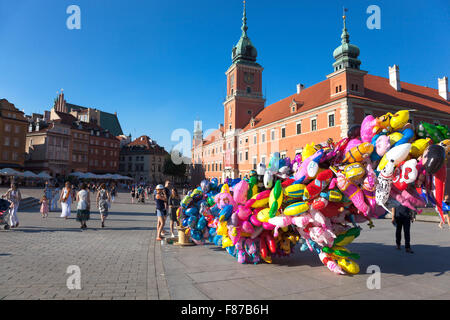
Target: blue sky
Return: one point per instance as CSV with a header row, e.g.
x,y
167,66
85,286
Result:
x,y
161,64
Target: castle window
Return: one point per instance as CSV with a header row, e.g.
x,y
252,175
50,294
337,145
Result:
x,y
299,127
356,87
272,135
263,137
249,90
313,124
283,132
353,87
246,155
331,120
340,88
337,89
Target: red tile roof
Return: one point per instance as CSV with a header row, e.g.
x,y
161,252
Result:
x,y
147,144
213,136
377,89
308,98
411,95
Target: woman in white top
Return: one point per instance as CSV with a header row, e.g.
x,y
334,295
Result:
x,y
66,200
14,196
83,207
56,193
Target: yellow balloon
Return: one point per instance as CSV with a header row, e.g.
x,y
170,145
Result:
x,y
399,119
226,242
394,137
308,151
348,265
225,189
263,215
418,147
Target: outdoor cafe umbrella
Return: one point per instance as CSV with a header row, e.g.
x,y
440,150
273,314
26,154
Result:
x,y
29,174
10,172
44,175
77,174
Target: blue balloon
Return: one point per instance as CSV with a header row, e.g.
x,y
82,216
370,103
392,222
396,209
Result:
x,y
212,232
226,212
231,250
192,222
196,235
201,224
217,240
407,135
185,222
192,212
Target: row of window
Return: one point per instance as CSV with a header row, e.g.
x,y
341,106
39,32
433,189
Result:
x,y
6,155
95,163
139,167
212,167
105,153
79,158
139,158
7,142
105,144
331,123
8,128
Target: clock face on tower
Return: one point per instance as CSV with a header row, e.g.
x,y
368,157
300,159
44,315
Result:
x,y
249,77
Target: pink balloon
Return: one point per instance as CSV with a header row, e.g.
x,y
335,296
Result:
x,y
367,128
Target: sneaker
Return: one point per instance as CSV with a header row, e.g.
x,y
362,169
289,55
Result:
x,y
409,250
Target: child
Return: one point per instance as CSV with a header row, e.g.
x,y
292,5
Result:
x,y
44,206
446,209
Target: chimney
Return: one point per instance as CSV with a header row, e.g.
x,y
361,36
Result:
x,y
47,115
300,88
443,87
394,77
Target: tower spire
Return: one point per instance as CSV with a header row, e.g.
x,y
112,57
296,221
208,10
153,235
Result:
x,y
345,36
244,22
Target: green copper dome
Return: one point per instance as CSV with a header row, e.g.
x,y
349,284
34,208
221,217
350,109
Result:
x,y
244,51
346,55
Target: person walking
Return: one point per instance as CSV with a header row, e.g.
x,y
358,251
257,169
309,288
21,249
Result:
x,y
113,193
48,192
446,209
55,196
83,206
102,199
66,200
402,218
44,206
13,195
161,212
132,193
174,204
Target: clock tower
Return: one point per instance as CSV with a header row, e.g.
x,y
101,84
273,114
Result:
x,y
244,99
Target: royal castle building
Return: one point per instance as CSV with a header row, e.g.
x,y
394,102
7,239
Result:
x,y
251,131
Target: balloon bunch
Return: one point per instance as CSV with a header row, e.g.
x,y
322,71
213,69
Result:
x,y
319,198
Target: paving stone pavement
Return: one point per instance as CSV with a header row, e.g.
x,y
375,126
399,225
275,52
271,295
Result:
x,y
208,272
123,261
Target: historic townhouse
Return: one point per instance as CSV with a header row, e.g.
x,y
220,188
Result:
x,y
13,128
253,131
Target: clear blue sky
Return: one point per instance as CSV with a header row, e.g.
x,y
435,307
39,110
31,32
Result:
x,y
161,64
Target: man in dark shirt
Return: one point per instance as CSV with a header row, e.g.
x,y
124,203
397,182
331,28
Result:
x,y
402,218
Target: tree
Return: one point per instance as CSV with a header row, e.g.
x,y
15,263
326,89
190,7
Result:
x,y
173,170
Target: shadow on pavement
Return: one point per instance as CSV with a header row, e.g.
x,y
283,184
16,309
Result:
x,y
425,259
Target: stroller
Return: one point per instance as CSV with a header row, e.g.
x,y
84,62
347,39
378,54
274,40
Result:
x,y
4,212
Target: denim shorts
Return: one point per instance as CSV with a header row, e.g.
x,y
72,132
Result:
x,y
161,213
